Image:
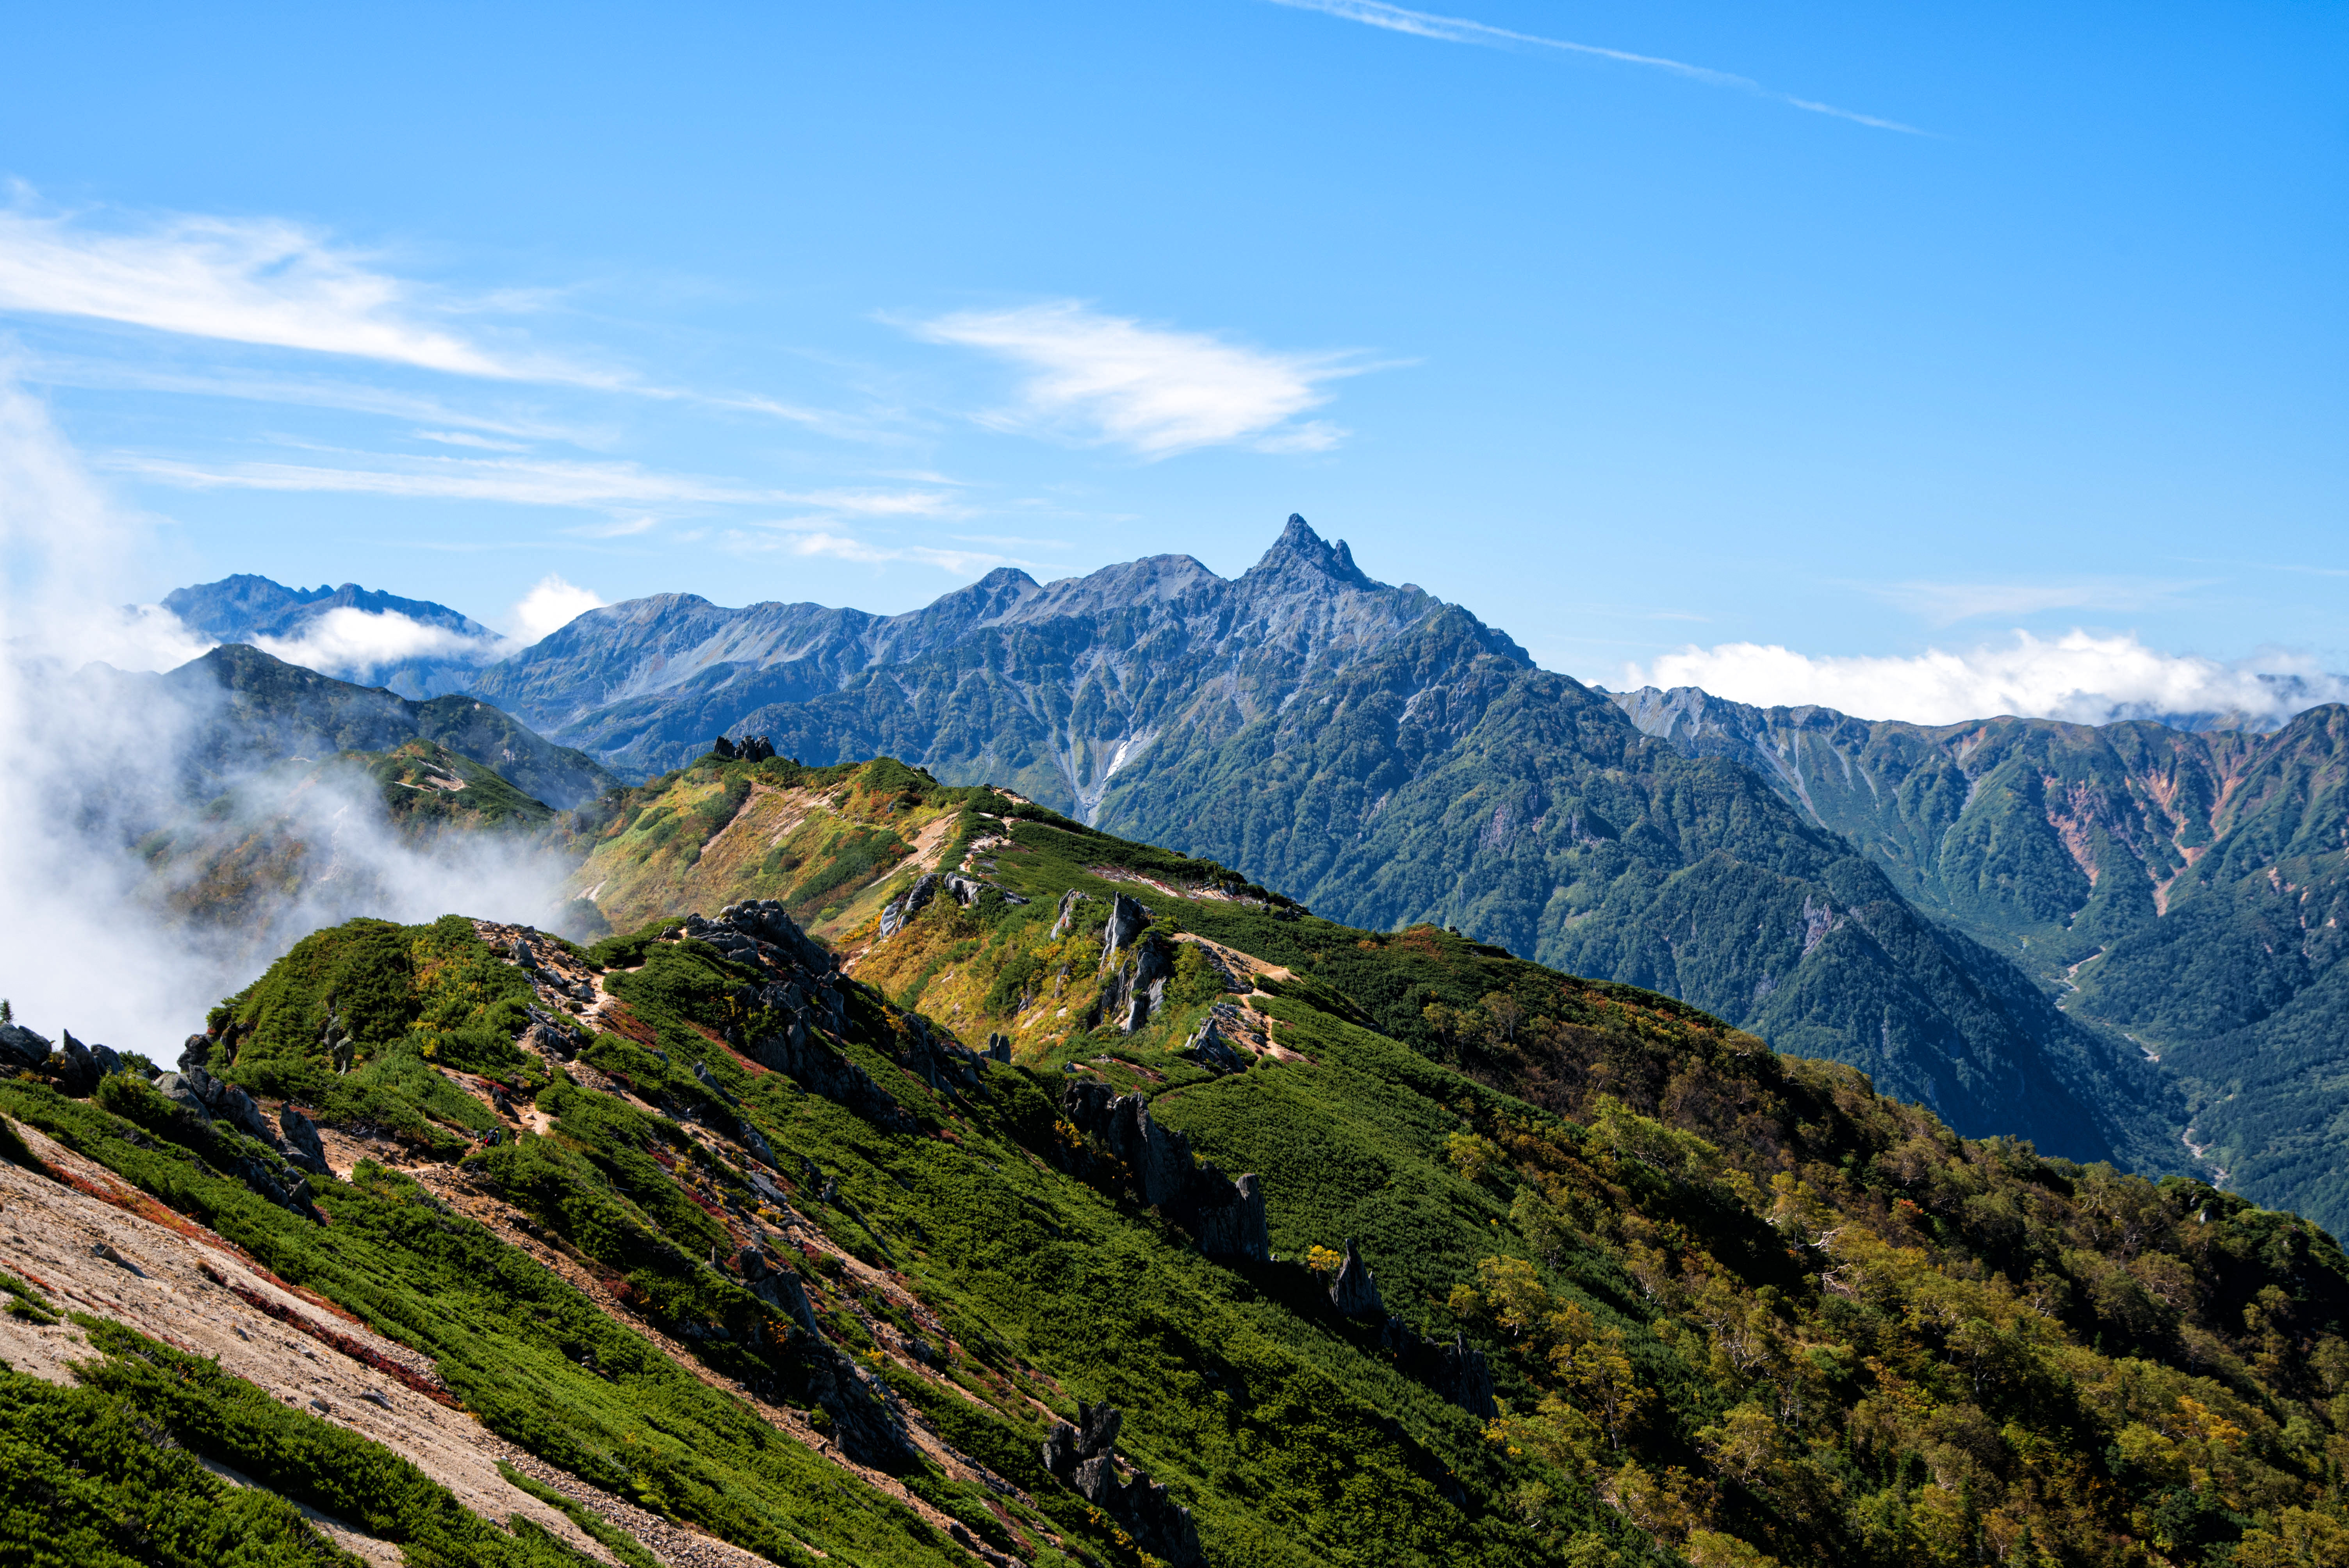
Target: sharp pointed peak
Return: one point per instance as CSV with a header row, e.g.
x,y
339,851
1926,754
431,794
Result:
x,y
1300,546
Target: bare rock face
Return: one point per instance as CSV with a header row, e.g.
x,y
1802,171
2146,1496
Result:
x,y
302,1143
1085,1457
779,1287
1227,1216
907,904
1068,919
1209,1048
1126,919
1355,1294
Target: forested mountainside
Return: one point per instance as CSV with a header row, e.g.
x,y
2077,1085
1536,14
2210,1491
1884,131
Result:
x,y
245,609
2184,889
236,709
1086,1204
1383,758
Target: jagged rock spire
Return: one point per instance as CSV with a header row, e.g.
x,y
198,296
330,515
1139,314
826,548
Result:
x,y
1299,548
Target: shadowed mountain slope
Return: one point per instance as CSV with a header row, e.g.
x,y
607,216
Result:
x,y
2185,890
240,708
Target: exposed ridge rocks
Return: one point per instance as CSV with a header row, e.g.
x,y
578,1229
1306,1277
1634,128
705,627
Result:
x,y
1127,919
1457,1372
1225,1216
1067,921
22,1049
1084,1455
800,987
1136,987
751,748
1355,1292
1209,1045
964,891
779,1287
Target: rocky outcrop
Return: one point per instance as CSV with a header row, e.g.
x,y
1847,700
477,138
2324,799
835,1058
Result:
x,y
1457,1372
1127,918
964,891
1068,917
1208,1046
215,1105
1225,1216
21,1049
801,988
751,748
907,904
779,1287
1355,1292
301,1141
1085,1457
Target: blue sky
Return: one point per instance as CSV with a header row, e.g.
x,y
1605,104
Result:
x,y
1661,336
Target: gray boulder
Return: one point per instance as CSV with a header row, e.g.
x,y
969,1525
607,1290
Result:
x,y
177,1089
302,1143
22,1049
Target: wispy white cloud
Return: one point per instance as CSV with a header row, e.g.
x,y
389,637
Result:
x,y
1154,391
466,438
259,281
2080,677
551,605
1460,30
1945,603
528,482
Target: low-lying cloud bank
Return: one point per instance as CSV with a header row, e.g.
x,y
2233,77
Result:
x,y
2077,677
97,762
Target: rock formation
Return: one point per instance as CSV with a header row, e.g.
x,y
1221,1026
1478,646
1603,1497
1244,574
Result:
x,y
1355,1292
1456,1371
1225,1216
1085,1457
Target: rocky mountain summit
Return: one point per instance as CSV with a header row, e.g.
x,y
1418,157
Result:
x,y
1384,758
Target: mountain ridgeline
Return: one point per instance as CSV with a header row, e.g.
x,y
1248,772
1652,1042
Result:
x,y
1384,758
2185,890
1084,1201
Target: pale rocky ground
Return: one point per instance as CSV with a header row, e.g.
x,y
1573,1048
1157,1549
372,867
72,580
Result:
x,y
86,1253
178,1282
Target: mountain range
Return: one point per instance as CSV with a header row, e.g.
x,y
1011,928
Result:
x,y
1927,904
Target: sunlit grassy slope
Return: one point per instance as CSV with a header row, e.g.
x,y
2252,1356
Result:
x,y
1738,1308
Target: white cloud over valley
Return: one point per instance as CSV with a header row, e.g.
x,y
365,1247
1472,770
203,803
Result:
x,y
349,643
2079,677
